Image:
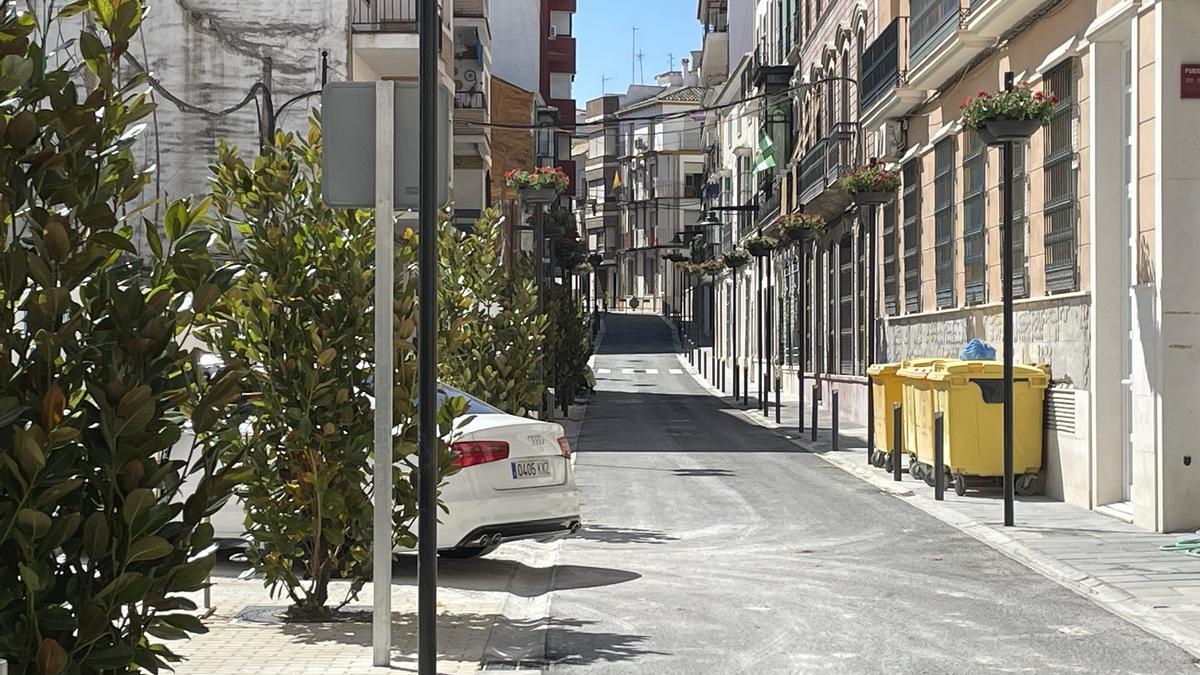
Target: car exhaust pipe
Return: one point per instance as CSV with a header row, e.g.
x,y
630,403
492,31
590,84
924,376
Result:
x,y
576,527
497,539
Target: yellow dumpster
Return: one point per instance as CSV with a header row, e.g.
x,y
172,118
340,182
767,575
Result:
x,y
917,408
885,390
970,394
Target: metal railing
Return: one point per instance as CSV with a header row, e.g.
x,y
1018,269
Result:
x,y
881,64
383,16
827,161
932,21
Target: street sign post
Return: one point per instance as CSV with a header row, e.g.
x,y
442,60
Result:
x,y
377,154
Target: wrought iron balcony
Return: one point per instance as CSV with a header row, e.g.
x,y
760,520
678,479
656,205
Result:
x,y
881,64
822,167
470,100
932,22
383,16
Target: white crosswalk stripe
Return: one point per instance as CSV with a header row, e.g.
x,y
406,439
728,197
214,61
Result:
x,y
652,371
603,371
675,371
627,371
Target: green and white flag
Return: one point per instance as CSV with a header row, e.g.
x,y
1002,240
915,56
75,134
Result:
x,y
766,152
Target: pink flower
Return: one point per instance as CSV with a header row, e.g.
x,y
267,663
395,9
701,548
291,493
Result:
x,y
982,94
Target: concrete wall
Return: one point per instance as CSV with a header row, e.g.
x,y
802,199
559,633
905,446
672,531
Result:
x,y
516,42
208,53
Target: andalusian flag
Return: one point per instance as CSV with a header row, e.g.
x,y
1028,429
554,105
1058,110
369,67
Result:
x,y
616,180
766,152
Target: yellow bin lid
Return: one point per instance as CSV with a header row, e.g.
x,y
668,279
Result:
x,y
883,368
960,372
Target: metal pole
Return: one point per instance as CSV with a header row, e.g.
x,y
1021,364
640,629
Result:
x,y
539,270
733,332
939,457
768,325
1006,273
814,413
872,277
324,67
834,421
802,311
381,564
758,328
427,439
897,441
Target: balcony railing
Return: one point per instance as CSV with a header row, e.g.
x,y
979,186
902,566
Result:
x,y
825,164
932,21
383,16
977,5
470,100
881,64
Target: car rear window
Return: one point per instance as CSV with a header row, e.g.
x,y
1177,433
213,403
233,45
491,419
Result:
x,y
474,405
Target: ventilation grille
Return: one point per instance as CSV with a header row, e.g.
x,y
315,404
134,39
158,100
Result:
x,y
1060,410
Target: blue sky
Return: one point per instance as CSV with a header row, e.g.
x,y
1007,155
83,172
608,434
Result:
x,y
604,39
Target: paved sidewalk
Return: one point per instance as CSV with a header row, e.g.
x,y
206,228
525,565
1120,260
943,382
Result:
x,y
1111,562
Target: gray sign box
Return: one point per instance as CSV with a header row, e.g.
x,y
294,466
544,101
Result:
x,y
348,140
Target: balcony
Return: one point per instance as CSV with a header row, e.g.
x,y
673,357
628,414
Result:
x,y
768,199
821,171
766,72
560,54
471,9
886,93
940,42
470,117
994,18
383,16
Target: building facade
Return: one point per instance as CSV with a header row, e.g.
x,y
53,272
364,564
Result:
x,y
1104,198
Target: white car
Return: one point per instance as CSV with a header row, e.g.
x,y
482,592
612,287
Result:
x,y
516,481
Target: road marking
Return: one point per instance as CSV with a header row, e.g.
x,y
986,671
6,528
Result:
x,y
674,371
652,371
627,371
603,371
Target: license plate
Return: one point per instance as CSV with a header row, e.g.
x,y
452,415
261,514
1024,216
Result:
x,y
531,469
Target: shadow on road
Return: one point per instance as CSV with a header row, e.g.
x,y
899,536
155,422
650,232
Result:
x,y
622,535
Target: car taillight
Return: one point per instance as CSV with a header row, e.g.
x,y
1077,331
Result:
x,y
565,446
470,453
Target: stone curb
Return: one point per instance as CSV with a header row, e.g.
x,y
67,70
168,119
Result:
x,y
1104,595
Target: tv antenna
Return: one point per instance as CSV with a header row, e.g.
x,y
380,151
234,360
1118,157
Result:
x,y
604,80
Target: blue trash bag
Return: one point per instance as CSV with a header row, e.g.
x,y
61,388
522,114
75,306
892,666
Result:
x,y
977,350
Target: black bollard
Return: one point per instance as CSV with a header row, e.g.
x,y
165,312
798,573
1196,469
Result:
x,y
870,419
745,386
814,412
778,402
800,393
939,457
897,441
834,424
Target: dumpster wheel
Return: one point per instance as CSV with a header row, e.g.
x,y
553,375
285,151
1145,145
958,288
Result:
x,y
887,461
915,468
877,458
1027,484
960,484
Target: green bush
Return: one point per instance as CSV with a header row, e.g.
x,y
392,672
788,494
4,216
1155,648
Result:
x,y
301,318
494,333
97,542
569,346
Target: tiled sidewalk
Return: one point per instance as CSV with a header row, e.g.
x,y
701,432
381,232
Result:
x,y
1116,565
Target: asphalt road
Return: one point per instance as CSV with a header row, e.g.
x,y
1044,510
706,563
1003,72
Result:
x,y
713,546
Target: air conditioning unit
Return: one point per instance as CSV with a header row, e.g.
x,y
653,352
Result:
x,y
553,31
639,143
889,140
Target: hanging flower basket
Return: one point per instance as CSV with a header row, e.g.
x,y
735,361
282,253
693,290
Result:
x,y
712,267
735,258
871,185
539,185
761,247
798,228
1008,116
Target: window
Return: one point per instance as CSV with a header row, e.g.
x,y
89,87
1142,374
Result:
x,y
891,280
845,295
560,24
974,217
560,85
943,221
1020,221
788,316
912,236
1060,207
595,191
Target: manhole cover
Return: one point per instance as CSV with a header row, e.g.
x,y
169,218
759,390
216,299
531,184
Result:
x,y
533,665
274,615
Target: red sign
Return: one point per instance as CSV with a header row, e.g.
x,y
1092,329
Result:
x,y
1189,80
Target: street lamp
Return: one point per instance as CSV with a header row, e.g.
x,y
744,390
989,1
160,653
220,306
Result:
x,y
538,198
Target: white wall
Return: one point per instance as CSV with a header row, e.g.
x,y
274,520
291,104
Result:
x,y
516,42
741,29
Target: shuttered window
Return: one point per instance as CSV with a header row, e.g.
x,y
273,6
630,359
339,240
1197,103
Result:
x,y
943,221
1060,211
912,236
974,217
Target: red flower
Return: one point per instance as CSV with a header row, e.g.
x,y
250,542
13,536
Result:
x,y
1053,99
965,103
982,94
1038,95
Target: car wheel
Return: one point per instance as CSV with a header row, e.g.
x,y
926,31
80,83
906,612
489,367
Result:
x,y
468,552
